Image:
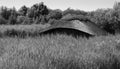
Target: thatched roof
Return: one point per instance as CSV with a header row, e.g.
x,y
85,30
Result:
x,y
86,27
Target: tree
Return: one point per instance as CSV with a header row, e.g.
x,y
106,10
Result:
x,y
37,10
107,19
13,16
43,19
30,13
5,12
98,16
23,10
12,20
70,17
55,14
116,6
72,11
3,20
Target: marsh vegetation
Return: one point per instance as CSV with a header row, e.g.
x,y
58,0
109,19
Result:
x,y
23,47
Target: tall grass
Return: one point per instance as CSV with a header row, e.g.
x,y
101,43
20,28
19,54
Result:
x,y
60,52
21,31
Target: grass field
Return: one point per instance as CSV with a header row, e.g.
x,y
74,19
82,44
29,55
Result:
x,y
60,52
21,30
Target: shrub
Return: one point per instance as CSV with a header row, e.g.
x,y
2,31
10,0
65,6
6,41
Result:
x,y
12,20
2,20
55,14
69,17
20,19
28,21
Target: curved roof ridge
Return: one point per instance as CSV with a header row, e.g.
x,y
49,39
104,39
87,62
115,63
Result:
x,y
87,27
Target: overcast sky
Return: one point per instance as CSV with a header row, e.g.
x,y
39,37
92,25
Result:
x,y
86,5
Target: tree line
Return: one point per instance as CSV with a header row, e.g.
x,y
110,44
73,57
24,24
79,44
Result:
x,y
107,19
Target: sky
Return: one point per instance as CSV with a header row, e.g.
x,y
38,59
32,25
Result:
x,y
86,5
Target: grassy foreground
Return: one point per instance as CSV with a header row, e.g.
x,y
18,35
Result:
x,y
60,52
